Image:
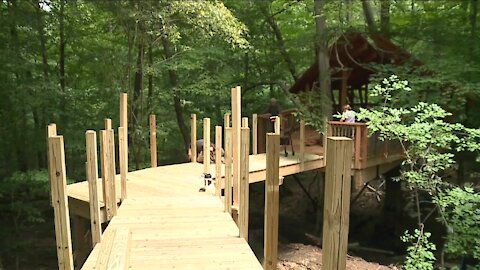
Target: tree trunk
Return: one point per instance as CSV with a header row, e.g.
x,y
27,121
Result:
x,y
323,56
176,99
369,19
385,17
62,45
280,41
348,15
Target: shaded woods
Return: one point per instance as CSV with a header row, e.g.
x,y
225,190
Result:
x,y
66,61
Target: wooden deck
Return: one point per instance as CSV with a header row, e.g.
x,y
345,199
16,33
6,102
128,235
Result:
x,y
172,224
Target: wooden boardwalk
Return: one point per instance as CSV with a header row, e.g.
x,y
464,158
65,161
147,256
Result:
x,y
172,224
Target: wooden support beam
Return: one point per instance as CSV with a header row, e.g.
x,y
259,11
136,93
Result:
x,y
51,131
277,124
226,120
244,182
218,160
92,176
193,137
108,123
228,170
236,121
123,162
124,125
337,203
115,250
255,134
107,150
271,202
206,145
58,178
153,141
302,144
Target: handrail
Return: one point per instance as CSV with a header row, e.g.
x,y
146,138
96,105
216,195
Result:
x,y
358,133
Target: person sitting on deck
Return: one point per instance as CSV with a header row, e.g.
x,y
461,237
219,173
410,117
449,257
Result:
x,y
199,147
348,115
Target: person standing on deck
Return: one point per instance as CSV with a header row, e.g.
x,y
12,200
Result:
x,y
199,147
274,110
348,115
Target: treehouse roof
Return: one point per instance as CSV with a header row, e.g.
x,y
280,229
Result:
x,y
355,53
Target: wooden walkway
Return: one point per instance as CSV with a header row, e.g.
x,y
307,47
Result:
x,y
172,224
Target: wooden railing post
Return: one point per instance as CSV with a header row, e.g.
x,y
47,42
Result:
x,y
302,144
271,202
51,131
357,145
228,170
58,179
123,162
153,141
277,125
226,120
255,134
337,203
236,122
123,143
108,123
244,180
206,146
218,160
193,137
92,177
107,149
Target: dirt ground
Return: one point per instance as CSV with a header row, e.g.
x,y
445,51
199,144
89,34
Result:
x,y
306,257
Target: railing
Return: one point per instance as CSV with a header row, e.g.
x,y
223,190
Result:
x,y
358,132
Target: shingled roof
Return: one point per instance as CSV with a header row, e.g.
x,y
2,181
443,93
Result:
x,y
357,53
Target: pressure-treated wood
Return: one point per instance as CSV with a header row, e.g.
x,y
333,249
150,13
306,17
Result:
x,y
218,160
58,178
271,202
153,141
277,124
115,250
123,162
206,145
107,148
236,121
302,144
244,121
124,125
92,176
108,123
193,137
226,120
228,170
51,131
255,134
337,203
244,181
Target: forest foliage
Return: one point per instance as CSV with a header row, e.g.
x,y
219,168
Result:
x,y
66,61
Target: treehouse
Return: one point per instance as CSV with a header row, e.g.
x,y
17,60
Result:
x,y
354,58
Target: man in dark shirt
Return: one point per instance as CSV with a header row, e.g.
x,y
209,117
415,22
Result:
x,y
274,110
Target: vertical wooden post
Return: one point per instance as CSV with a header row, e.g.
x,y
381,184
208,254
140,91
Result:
x,y
218,160
123,162
236,121
271,202
357,144
92,177
277,124
337,203
153,141
193,137
51,131
255,134
228,170
206,145
226,120
108,123
124,125
302,144
244,181
56,160
107,150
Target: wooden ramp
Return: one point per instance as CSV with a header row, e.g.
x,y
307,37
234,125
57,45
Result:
x,y
188,231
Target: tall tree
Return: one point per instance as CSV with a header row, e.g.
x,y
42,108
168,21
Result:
x,y
323,58
385,17
369,18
